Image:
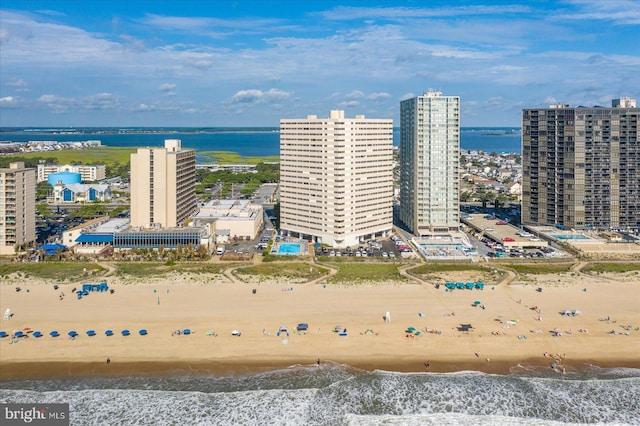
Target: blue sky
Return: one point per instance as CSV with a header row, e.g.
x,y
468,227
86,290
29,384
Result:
x,y
250,63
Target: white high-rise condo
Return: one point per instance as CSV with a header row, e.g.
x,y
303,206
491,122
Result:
x,y
429,161
17,207
336,178
163,185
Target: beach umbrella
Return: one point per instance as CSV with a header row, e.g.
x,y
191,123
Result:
x,y
143,332
91,333
477,302
3,334
72,333
108,333
54,333
125,332
37,334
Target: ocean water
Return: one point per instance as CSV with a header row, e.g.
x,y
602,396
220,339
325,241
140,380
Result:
x,y
245,141
334,394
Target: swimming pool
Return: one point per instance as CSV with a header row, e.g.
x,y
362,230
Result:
x,y
570,237
289,249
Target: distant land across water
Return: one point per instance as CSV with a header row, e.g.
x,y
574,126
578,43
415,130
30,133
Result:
x,y
246,141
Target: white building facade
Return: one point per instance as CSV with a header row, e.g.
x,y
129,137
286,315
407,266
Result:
x,y
429,163
336,178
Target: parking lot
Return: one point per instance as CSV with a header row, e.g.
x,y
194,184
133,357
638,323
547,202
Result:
x,y
381,248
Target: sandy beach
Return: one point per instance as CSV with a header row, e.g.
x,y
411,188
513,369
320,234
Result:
x,y
513,324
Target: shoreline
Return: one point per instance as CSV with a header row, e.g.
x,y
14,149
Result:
x,y
29,370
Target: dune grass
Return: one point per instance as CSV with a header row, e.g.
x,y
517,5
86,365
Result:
x,y
143,269
541,268
52,271
365,273
605,267
284,270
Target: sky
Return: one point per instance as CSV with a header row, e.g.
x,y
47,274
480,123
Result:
x,y
251,63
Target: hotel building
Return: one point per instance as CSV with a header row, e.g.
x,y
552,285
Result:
x,y
88,173
581,166
429,161
336,178
162,186
17,207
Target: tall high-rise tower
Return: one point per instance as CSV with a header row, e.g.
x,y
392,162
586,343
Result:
x,y
581,166
163,185
17,207
336,178
429,161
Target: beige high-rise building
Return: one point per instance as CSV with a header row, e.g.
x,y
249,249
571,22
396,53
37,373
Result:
x,y
429,163
17,207
163,185
336,178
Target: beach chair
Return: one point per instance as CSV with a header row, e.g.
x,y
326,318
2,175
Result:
x,y
104,287
108,333
460,286
470,285
86,287
95,287
344,333
480,285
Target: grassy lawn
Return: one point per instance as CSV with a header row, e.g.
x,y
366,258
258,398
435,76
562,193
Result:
x,y
103,155
284,270
52,271
447,267
603,268
142,269
365,273
228,157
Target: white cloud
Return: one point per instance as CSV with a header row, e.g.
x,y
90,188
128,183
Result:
x,y
9,102
19,83
254,96
379,96
348,104
355,94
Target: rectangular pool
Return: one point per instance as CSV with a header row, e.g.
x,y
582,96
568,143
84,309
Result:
x,y
291,249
